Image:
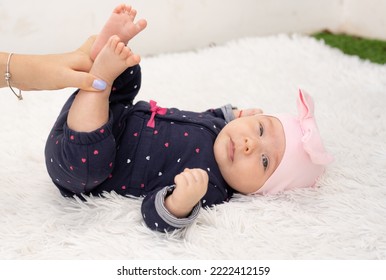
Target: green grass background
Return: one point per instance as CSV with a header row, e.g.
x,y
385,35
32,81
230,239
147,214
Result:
x,y
369,49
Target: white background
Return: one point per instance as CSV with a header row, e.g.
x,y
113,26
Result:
x,y
46,26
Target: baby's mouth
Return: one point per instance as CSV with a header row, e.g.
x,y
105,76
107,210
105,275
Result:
x,y
231,149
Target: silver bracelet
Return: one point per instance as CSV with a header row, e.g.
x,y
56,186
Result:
x,y
8,76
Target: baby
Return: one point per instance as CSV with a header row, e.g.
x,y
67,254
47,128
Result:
x,y
179,161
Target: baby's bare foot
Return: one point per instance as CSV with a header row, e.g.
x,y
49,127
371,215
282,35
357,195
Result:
x,y
112,60
121,23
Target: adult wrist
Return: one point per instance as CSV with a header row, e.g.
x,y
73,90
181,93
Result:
x,y
8,77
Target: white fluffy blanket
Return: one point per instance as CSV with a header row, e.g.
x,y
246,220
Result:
x,y
344,218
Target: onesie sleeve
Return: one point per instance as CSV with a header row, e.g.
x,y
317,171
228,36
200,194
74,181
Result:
x,y
157,217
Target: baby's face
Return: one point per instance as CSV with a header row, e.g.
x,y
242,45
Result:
x,y
248,150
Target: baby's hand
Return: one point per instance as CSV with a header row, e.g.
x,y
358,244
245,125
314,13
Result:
x,y
191,186
247,112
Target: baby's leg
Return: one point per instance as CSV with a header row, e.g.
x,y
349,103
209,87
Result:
x,y
121,23
79,161
90,110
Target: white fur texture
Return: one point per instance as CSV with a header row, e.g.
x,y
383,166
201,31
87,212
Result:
x,y
344,218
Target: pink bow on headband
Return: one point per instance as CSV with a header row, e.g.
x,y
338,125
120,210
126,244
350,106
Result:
x,y
312,142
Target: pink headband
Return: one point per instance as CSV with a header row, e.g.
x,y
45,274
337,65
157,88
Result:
x,y
304,156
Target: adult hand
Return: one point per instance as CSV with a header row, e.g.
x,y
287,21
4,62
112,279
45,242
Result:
x,y
52,71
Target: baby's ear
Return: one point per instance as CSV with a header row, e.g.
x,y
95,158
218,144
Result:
x,y
305,105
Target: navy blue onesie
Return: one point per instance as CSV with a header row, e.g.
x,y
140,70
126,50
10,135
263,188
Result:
x,y
138,152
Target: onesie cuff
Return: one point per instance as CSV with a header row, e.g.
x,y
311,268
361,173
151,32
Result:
x,y
167,216
227,111
87,138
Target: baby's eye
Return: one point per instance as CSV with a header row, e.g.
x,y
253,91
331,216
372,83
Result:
x,y
261,130
265,162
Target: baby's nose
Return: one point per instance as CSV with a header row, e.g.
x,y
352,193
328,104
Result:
x,y
250,145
